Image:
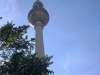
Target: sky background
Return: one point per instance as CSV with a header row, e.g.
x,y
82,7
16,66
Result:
x,y
72,35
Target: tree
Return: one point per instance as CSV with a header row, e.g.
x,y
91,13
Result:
x,y
17,55
0,18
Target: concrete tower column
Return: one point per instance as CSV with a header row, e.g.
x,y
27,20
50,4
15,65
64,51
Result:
x,y
38,17
39,46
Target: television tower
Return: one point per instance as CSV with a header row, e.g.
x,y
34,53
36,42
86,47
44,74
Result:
x,y
38,17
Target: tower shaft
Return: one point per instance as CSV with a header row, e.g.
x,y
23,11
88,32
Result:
x,y
39,46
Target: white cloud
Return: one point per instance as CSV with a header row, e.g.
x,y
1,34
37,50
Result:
x,y
65,64
9,10
65,67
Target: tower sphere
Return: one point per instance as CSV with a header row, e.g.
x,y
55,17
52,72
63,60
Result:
x,y
38,13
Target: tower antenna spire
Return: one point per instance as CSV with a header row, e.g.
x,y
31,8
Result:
x,y
37,0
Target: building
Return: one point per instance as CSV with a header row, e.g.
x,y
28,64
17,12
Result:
x,y
38,17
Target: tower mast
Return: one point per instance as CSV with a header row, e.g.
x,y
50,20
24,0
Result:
x,y
38,17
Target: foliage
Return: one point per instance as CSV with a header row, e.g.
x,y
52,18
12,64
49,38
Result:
x,y
20,64
17,53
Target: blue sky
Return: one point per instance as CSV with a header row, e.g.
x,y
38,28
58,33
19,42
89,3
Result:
x,y
72,35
